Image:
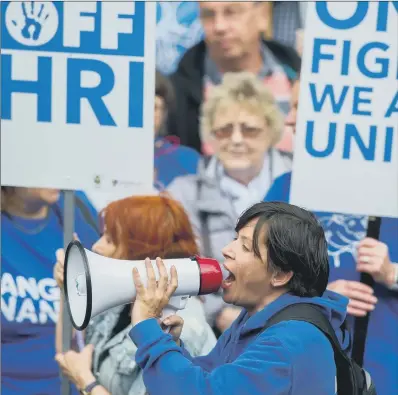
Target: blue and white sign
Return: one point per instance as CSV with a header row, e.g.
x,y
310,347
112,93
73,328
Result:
x,y
346,152
77,94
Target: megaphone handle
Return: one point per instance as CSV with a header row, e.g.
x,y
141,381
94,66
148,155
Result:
x,y
167,312
79,340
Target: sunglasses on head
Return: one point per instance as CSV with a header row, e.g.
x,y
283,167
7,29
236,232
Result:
x,y
226,131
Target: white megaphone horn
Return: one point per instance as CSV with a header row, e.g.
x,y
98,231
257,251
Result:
x,y
94,284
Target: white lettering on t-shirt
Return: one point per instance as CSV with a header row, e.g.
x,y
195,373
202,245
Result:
x,y
29,300
8,285
48,289
27,311
8,309
48,311
27,286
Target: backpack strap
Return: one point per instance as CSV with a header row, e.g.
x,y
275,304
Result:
x,y
346,382
204,216
87,214
85,211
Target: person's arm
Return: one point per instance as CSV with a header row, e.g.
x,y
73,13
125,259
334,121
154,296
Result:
x,y
263,367
89,378
77,367
206,362
100,390
58,327
58,330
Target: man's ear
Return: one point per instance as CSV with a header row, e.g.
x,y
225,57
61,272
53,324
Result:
x,y
264,16
280,279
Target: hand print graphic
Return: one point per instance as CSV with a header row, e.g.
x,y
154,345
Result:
x,y
32,23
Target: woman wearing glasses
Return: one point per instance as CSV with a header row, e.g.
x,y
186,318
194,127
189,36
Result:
x,y
242,123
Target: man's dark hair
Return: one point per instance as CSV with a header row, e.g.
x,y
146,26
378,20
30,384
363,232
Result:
x,y
295,241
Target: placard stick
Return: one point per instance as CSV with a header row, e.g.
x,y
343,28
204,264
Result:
x,y
69,227
361,323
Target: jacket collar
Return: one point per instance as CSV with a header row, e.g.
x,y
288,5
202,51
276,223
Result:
x,y
191,68
211,198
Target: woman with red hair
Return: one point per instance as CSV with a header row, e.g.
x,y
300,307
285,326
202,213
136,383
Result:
x,y
134,228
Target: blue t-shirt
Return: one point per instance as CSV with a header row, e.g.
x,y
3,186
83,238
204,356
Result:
x,y
30,297
172,160
343,232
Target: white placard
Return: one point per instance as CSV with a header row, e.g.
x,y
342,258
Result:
x,y
77,94
346,148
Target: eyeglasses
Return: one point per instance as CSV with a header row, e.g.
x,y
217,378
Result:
x,y
226,131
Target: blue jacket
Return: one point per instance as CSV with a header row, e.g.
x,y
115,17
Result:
x,y
292,357
173,160
343,232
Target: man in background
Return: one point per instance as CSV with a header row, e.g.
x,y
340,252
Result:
x,y
233,42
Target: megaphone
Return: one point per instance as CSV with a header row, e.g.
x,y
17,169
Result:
x,y
94,284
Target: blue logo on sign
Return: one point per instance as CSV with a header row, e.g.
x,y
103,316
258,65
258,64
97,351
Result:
x,y
90,28
31,23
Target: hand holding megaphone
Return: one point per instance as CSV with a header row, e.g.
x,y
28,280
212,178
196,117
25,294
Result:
x,y
153,300
58,270
94,284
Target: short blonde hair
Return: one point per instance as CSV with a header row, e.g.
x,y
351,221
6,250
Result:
x,y
245,89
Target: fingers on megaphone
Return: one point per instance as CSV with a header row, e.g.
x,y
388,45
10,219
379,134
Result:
x,y
59,267
60,256
59,276
75,237
173,320
139,286
88,350
173,284
151,277
163,282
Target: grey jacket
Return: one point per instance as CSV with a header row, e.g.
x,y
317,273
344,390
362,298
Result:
x,y
211,211
118,372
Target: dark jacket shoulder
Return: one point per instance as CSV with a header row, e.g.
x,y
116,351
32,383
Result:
x,y
188,84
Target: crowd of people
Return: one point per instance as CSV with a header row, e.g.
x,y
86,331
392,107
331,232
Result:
x,y
223,143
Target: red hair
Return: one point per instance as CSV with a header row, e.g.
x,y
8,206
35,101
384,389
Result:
x,y
150,226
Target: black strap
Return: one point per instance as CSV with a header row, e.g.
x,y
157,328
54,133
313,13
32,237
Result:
x,y
87,214
313,314
305,312
204,233
361,323
83,209
204,216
